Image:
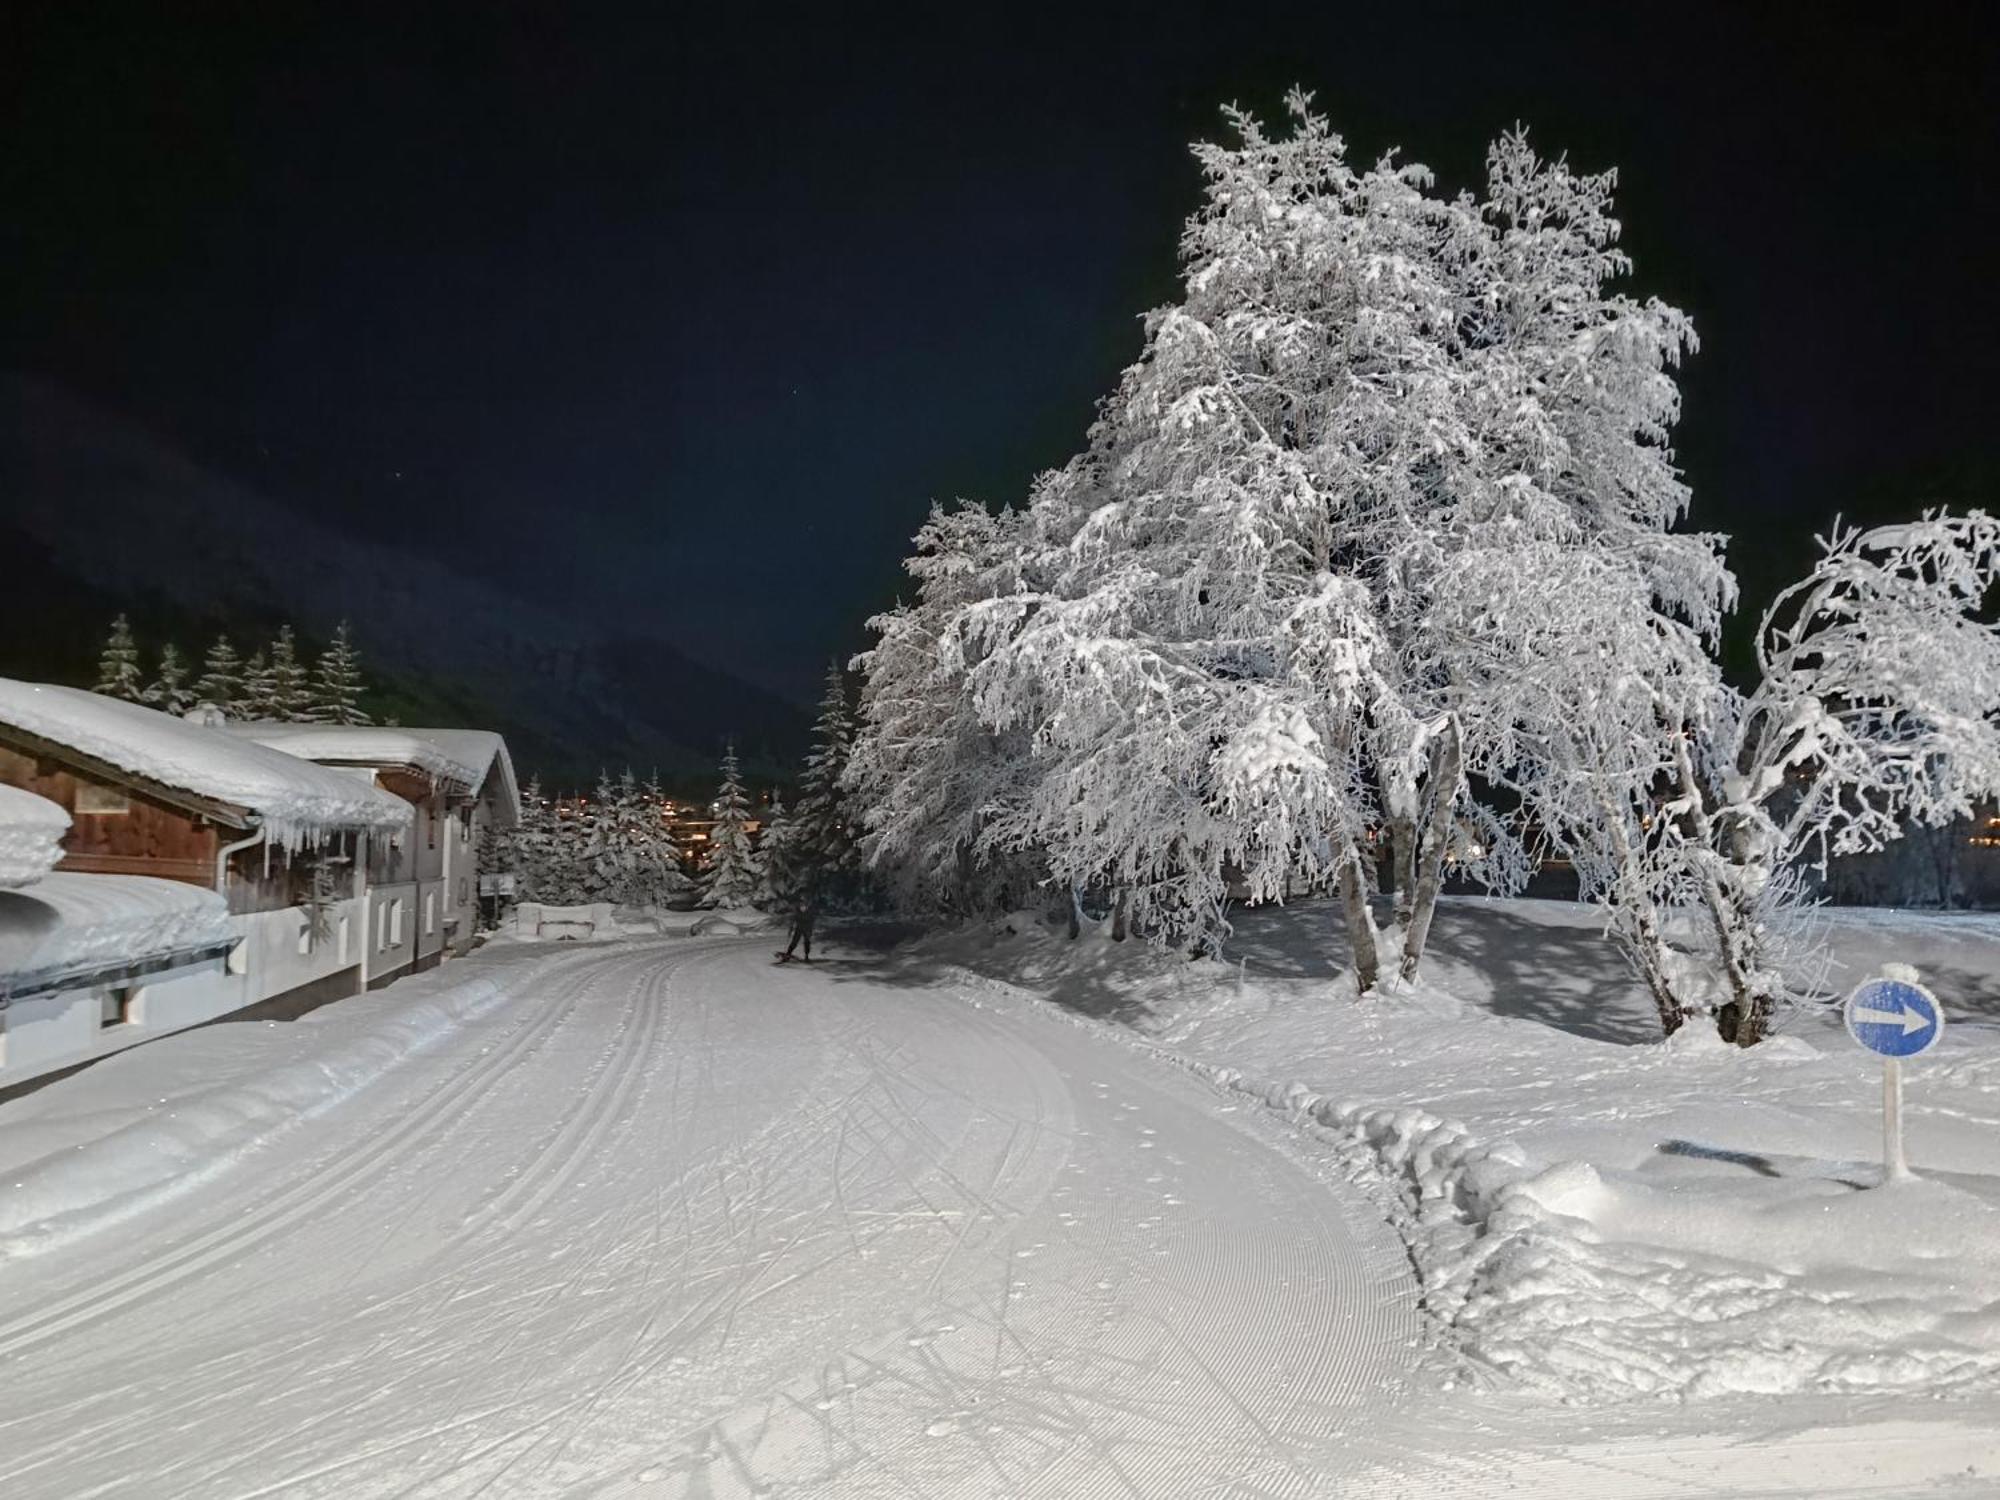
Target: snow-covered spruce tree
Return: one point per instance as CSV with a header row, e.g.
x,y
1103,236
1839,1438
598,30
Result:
x,y
291,696
928,778
118,674
221,680
818,852
1877,707
168,690
337,685
259,701
530,844
732,875
771,857
1225,646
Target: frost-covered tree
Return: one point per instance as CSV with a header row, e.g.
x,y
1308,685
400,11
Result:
x,y
291,696
1877,707
733,874
1223,646
118,672
168,690
928,777
337,685
221,680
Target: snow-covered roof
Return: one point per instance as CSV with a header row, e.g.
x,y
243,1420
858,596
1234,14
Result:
x,y
71,924
293,800
31,834
460,758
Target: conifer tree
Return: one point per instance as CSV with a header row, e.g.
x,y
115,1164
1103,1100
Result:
x,y
818,846
221,680
338,688
169,691
732,877
257,700
771,856
118,664
291,690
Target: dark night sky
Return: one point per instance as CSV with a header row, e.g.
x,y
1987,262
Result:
x,y
688,316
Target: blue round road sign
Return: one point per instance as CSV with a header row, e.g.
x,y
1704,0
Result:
x,y
1894,1017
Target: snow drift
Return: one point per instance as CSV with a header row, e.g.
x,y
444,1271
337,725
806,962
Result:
x,y
31,834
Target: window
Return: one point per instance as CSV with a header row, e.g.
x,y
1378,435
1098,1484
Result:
x,y
115,1007
430,912
101,801
341,939
381,927
396,923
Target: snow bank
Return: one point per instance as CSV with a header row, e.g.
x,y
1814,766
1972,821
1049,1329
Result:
x,y
294,800
82,1187
69,924
31,835
457,757
1594,1217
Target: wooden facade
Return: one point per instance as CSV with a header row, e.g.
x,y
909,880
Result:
x,y
116,826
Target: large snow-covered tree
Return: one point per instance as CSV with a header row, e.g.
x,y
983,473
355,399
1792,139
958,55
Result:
x,y
1223,643
118,671
337,685
732,875
928,777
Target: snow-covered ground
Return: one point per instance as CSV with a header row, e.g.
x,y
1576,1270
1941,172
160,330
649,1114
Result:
x,y
671,1220
658,1217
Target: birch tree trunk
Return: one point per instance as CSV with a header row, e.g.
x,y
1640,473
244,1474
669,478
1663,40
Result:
x,y
1360,919
1447,768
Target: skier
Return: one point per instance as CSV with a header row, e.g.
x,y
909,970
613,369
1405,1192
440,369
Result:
x,y
804,910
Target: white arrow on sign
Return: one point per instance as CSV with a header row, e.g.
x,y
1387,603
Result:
x,y
1909,1020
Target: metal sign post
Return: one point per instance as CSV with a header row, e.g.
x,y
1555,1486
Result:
x,y
1894,1017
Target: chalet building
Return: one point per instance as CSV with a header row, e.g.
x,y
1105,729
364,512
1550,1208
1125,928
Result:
x,y
458,789
239,866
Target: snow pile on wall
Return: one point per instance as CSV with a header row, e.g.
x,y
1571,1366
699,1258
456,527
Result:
x,y
31,835
81,1188
457,757
69,924
296,801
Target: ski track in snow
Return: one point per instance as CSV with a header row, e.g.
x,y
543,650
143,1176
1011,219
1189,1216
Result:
x,y
672,1222
676,1222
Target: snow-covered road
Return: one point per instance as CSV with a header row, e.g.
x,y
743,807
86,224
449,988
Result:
x,y
673,1220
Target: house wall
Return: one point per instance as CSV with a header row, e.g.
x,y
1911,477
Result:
x,y
460,895
388,932
278,951
43,1033
147,838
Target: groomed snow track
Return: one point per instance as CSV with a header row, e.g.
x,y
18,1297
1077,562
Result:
x,y
674,1221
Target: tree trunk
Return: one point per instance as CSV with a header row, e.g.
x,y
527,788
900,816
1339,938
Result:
x,y
1745,1018
1121,915
1447,766
1075,913
1403,868
1360,920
